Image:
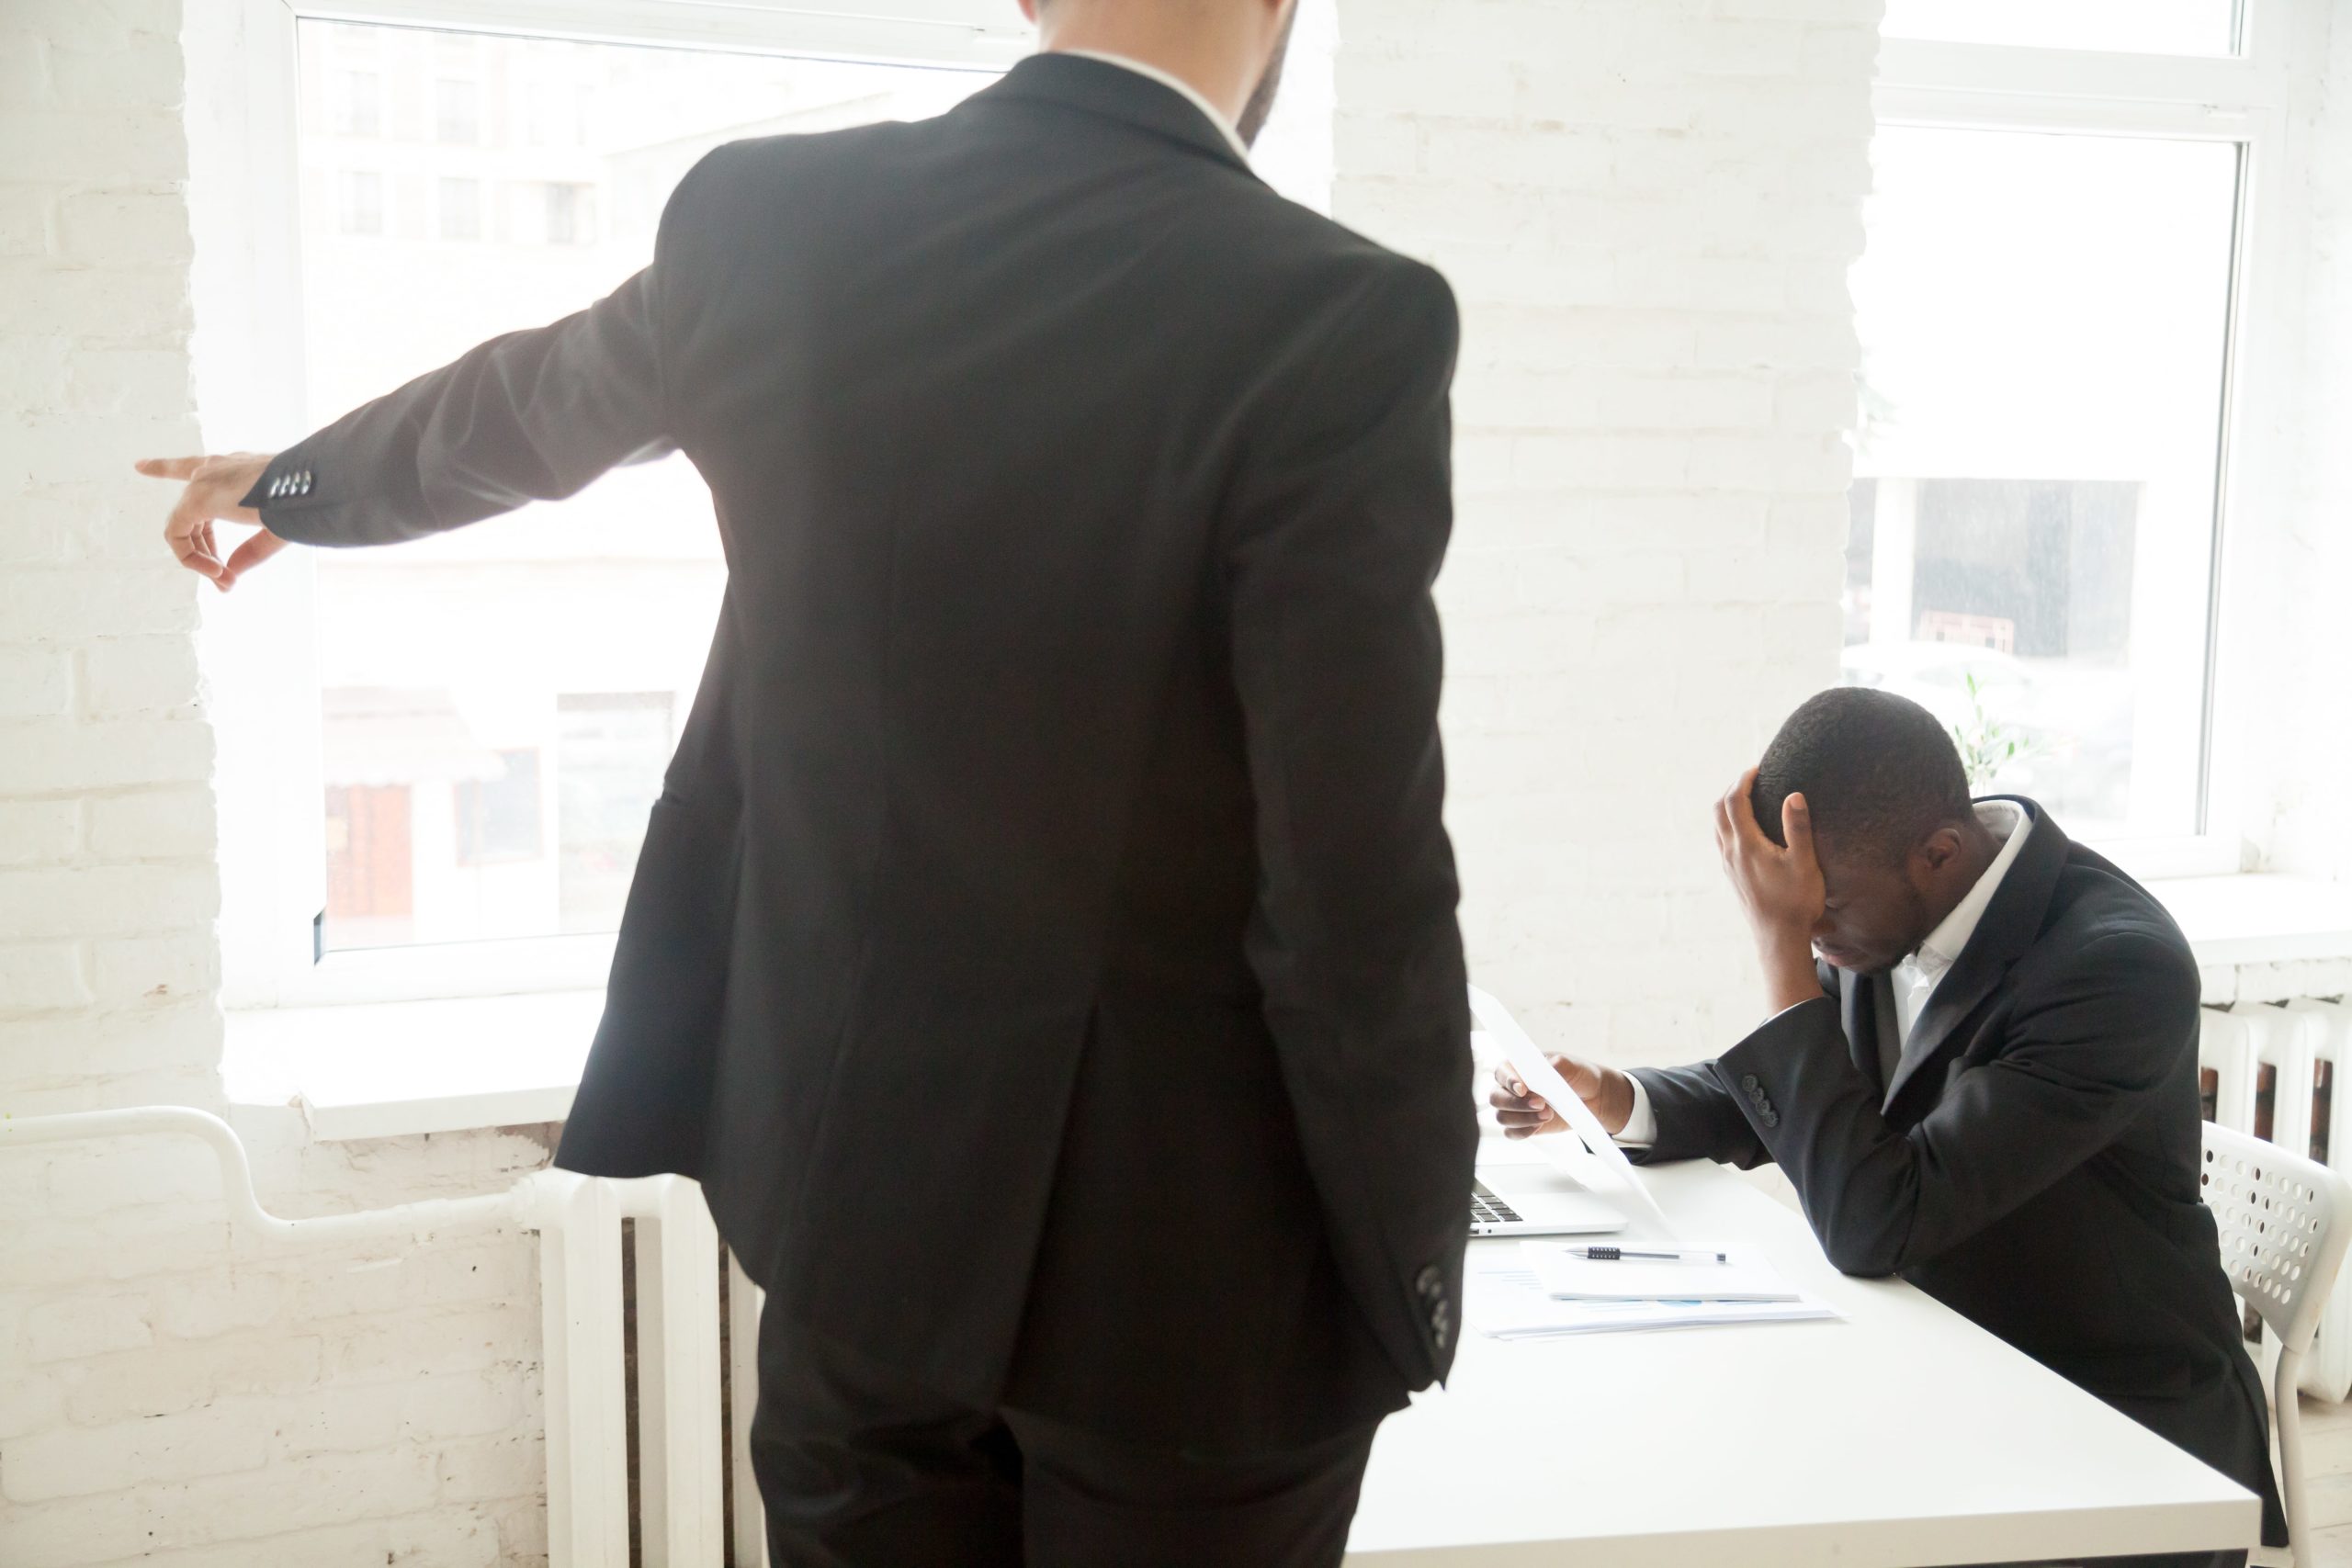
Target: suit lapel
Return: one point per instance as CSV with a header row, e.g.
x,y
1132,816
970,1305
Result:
x,y
2012,921
1857,1011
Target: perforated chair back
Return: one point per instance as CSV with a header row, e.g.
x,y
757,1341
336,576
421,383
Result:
x,y
2282,1219
2284,1222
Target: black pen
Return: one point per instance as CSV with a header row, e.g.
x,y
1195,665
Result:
x,y
1635,1255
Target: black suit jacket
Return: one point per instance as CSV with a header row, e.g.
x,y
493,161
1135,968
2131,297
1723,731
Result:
x,y
1044,950
2035,1163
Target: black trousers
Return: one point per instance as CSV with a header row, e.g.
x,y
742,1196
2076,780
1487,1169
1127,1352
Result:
x,y
860,1467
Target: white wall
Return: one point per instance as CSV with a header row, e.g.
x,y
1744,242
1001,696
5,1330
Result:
x,y
159,1393
1647,211
2311,556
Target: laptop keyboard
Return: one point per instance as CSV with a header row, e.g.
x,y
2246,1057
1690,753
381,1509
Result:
x,y
1486,1208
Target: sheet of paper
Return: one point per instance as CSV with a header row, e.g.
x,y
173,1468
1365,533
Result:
x,y
1535,1070
1503,1299
1565,1276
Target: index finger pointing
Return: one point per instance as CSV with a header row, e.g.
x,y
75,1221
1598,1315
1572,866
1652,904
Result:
x,y
168,467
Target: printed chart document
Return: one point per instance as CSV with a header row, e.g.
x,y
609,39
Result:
x,y
1503,1299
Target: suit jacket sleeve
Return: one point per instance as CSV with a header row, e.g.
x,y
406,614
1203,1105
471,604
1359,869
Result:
x,y
528,416
1699,1118
2085,1055
1337,523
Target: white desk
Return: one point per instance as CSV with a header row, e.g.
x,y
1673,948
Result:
x,y
1902,1437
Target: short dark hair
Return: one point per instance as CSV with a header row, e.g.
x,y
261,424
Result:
x,y
1878,771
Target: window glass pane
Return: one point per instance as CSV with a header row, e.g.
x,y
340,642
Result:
x,y
498,817
461,209
457,112
361,211
613,749
525,674
2146,27
2043,323
361,112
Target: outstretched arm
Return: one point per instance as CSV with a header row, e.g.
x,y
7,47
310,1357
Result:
x,y
532,415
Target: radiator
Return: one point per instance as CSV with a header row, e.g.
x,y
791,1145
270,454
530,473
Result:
x,y
2272,1071
697,1505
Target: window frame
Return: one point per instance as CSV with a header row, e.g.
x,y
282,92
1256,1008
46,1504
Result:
x,y
260,652
2251,100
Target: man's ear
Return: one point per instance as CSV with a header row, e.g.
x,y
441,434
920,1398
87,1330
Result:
x,y
1938,849
1029,9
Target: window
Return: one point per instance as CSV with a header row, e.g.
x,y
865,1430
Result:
x,y
2152,27
370,887
498,817
613,749
567,636
2044,321
360,209
460,209
360,110
567,213
456,113
2053,305
380,841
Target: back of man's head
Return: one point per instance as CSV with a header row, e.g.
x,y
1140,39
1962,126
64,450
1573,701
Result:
x,y
1878,773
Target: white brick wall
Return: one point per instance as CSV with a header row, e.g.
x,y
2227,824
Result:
x,y
163,1391
1647,211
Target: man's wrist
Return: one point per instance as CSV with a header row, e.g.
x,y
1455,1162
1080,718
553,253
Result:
x,y
1617,1101
1790,977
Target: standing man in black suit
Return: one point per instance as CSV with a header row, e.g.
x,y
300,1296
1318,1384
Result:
x,y
1044,951
1986,1083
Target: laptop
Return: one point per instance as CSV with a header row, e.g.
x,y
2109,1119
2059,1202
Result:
x,y
1519,1198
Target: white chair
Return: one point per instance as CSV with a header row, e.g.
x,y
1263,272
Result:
x,y
2284,1221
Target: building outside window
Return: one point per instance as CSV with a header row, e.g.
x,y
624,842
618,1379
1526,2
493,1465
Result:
x,y
460,209
498,817
612,748
457,112
569,213
361,204
360,106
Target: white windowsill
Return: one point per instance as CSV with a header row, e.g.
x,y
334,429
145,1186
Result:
x,y
2259,917
388,1069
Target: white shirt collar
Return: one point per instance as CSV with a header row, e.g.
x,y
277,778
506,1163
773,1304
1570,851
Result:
x,y
2005,820
1216,115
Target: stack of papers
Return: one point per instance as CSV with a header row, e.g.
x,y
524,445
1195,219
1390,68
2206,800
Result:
x,y
1511,1301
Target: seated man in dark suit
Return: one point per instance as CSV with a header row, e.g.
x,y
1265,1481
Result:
x,y
1986,1082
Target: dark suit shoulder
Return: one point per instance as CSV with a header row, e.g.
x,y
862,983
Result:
x,y
2096,902
764,162
1269,232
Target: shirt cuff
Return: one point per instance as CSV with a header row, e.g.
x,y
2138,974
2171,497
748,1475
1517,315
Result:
x,y
1641,1127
